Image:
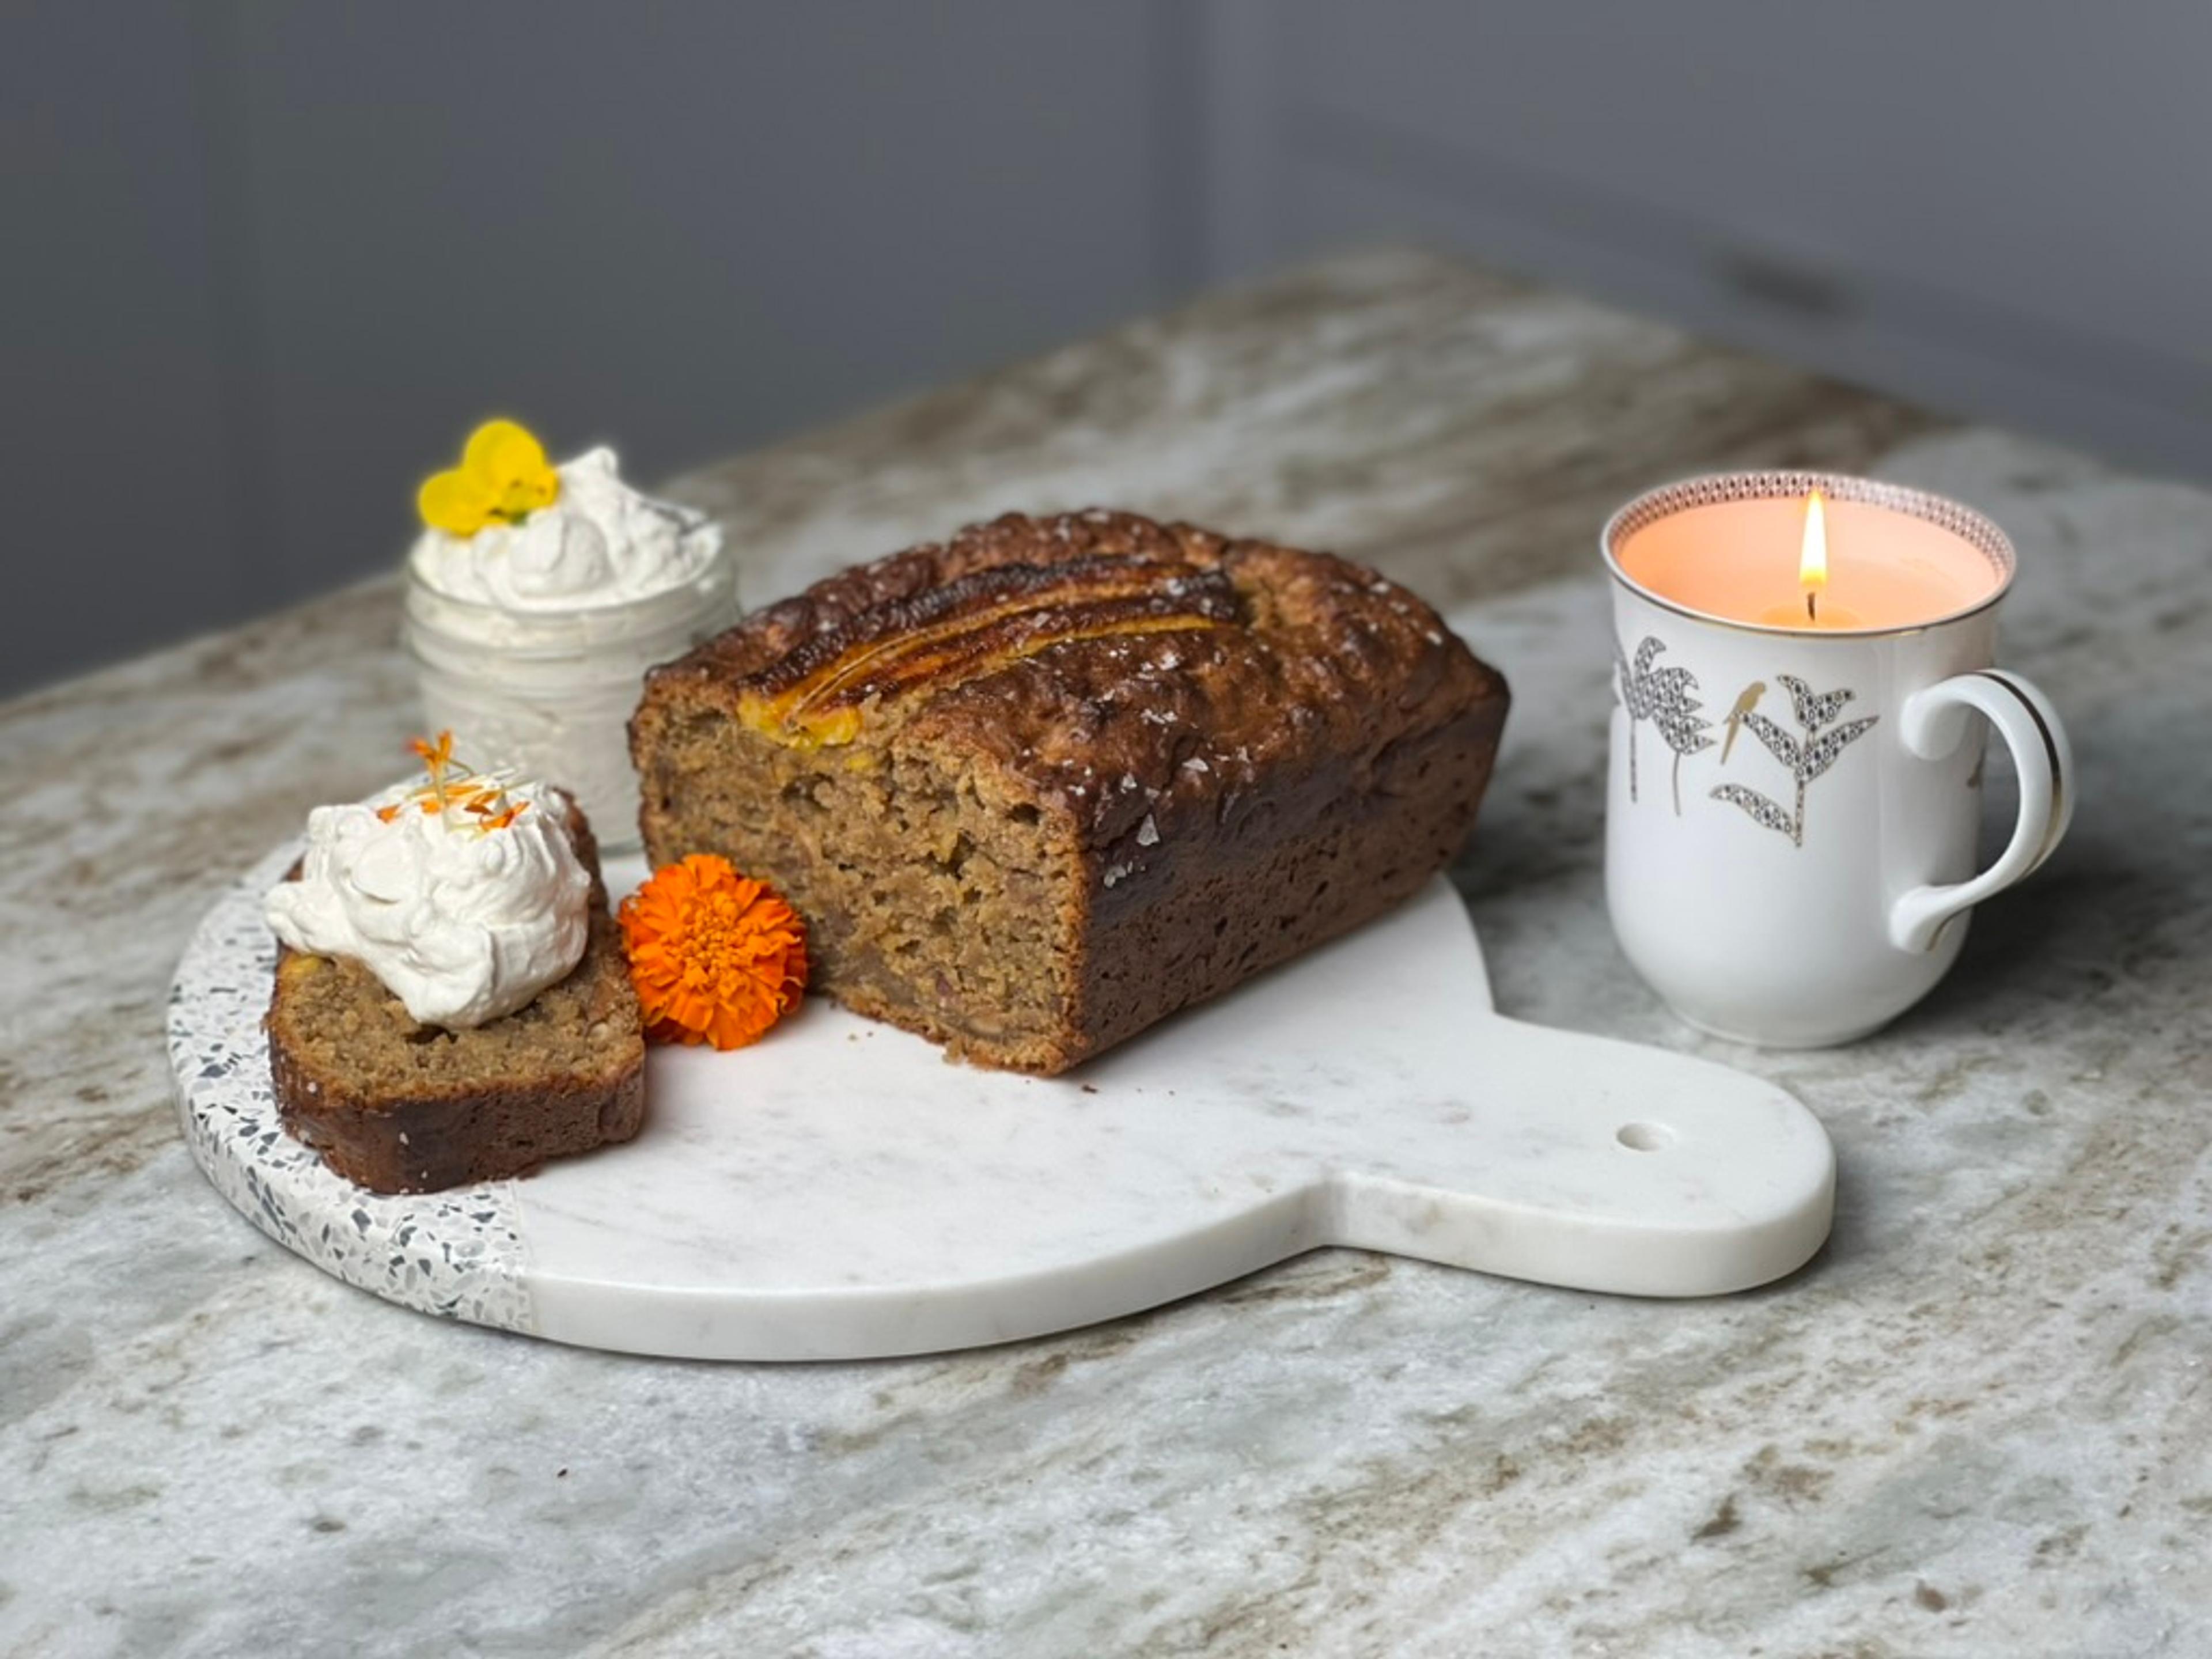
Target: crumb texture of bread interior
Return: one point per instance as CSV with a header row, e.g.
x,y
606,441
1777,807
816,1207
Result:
x,y
934,897
1037,787
398,1106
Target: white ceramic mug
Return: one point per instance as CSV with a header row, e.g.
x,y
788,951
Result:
x,y
1791,815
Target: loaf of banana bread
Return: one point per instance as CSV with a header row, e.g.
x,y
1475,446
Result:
x,y
1037,788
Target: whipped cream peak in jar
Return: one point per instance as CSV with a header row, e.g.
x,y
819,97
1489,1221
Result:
x,y
463,916
598,542
532,631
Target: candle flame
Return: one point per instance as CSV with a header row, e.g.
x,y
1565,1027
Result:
x,y
1813,559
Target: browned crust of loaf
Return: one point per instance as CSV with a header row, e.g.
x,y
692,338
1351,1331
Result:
x,y
1245,901
1235,794
432,1138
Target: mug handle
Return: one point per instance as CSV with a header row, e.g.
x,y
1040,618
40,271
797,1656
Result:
x,y
1932,724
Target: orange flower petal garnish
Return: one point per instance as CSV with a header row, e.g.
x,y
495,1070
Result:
x,y
716,957
482,800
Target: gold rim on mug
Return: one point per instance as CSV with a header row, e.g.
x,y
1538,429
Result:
x,y
1973,528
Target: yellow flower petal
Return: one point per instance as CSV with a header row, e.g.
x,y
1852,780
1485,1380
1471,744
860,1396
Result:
x,y
499,453
510,463
503,476
454,503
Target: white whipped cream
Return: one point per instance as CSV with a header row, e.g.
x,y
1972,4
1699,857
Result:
x,y
461,925
599,542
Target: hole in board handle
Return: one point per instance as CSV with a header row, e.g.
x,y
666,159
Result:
x,y
1643,1137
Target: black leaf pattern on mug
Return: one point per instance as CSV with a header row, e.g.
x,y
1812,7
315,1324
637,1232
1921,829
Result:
x,y
1761,809
1779,744
1822,754
1663,696
1804,758
1813,711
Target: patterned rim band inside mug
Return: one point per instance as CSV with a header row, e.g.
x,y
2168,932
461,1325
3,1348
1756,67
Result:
x,y
1968,526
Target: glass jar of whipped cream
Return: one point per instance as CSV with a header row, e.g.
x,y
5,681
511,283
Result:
x,y
532,640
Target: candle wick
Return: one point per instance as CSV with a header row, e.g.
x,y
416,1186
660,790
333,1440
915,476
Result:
x,y
1811,614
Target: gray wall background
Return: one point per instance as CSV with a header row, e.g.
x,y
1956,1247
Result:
x,y
266,264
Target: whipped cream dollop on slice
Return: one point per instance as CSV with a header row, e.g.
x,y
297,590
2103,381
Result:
x,y
462,924
599,542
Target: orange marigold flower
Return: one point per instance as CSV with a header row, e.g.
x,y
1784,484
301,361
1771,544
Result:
x,y
716,957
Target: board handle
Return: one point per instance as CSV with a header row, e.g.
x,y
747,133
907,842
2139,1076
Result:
x,y
1626,1170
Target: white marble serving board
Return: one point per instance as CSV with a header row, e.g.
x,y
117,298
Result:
x,y
840,1191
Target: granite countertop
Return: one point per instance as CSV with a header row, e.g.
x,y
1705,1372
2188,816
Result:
x,y
1979,1423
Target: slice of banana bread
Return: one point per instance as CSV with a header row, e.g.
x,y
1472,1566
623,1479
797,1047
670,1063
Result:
x,y
405,1108
1039,786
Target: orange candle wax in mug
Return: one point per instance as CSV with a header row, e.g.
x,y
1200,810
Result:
x,y
1815,559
